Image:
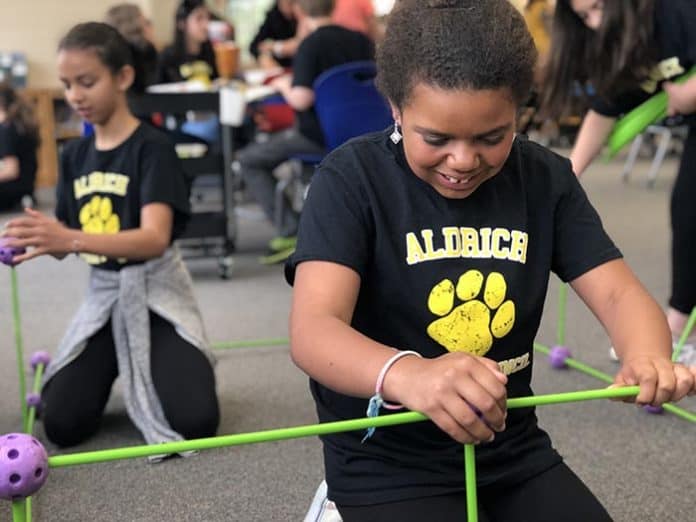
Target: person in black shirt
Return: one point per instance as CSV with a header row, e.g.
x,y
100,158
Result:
x,y
121,201
279,25
327,46
434,242
137,30
191,56
19,139
627,51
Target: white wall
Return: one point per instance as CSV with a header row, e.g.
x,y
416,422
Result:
x,y
35,27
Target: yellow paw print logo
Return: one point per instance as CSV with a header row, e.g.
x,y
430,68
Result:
x,y
97,217
468,327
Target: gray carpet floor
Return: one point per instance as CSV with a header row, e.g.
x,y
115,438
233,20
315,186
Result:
x,y
640,466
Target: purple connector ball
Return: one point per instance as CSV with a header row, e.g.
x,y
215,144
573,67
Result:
x,y
39,358
558,356
655,410
23,466
7,253
33,399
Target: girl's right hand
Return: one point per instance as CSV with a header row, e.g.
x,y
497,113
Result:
x,y
451,390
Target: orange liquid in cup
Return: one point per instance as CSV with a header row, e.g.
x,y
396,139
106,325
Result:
x,y
226,59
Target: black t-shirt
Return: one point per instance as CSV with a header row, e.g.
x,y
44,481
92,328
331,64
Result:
x,y
22,147
327,47
442,274
274,27
103,191
175,68
675,35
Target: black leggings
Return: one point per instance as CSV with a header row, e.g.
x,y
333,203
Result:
x,y
683,213
555,495
75,397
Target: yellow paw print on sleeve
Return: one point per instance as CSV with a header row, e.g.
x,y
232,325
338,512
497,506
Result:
x,y
97,217
468,327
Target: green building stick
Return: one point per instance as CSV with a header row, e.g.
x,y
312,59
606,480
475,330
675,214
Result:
x,y
470,473
93,457
19,345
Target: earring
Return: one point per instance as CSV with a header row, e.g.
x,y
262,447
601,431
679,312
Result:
x,y
396,136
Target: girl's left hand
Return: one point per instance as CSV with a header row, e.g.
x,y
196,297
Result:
x,y
44,234
659,379
680,98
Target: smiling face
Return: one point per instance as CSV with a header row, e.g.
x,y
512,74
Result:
x,y
455,140
91,89
589,11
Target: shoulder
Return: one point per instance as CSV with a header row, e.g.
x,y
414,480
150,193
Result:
x,y
150,138
78,147
540,167
365,161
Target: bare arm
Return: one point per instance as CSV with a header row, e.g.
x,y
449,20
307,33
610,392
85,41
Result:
x,y
46,235
299,98
638,329
327,348
9,168
594,131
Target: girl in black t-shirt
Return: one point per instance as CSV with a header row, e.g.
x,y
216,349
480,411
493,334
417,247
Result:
x,y
121,201
191,55
628,50
422,264
19,138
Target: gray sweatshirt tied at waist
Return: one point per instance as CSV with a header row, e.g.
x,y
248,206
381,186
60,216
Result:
x,y
162,285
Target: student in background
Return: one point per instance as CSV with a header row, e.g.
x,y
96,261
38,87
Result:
x,y
19,139
326,46
191,56
136,28
279,25
122,200
627,51
357,15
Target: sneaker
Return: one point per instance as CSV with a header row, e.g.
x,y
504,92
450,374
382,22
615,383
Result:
x,y
273,258
322,509
280,243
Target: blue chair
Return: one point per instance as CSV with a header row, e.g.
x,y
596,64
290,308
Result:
x,y
347,104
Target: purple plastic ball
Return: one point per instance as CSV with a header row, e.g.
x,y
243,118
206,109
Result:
x,y
39,358
558,356
7,253
33,400
655,410
23,466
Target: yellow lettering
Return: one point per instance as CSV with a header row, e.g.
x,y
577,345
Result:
x,y
518,246
500,235
453,243
414,252
470,242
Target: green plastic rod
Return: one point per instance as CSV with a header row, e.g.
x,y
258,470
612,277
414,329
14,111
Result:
x,y
470,471
31,416
18,343
685,334
28,502
19,511
573,363
277,341
311,430
562,300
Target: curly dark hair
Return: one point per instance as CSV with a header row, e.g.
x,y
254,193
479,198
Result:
x,y
455,45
